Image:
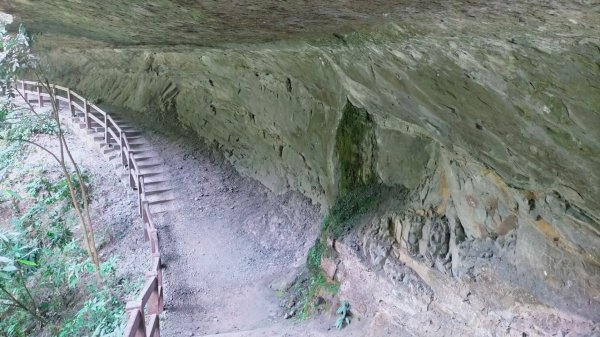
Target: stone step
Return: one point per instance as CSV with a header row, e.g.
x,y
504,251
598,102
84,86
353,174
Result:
x,y
158,169
92,125
113,146
144,155
147,151
157,197
115,156
132,133
162,185
150,166
97,137
154,178
148,159
164,191
136,142
107,150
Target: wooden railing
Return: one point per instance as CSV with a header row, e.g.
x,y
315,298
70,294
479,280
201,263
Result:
x,y
142,313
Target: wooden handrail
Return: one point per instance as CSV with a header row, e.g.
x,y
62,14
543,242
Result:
x,y
149,288
151,297
100,111
96,119
76,95
79,107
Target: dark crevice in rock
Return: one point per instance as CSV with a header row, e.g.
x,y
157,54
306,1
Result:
x,y
355,147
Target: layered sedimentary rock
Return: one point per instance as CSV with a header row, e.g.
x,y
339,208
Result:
x,y
487,113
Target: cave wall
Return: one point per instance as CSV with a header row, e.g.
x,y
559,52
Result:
x,y
527,113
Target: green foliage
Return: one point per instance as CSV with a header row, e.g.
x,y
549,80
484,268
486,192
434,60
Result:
x,y
19,126
15,59
342,217
355,148
343,313
45,275
315,285
347,208
103,313
49,193
15,56
12,196
313,261
44,268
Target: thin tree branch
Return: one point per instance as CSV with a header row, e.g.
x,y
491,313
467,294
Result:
x,y
23,306
33,301
89,231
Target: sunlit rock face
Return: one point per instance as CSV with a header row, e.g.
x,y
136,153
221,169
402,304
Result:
x,y
487,113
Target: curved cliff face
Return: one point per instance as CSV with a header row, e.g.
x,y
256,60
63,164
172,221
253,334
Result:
x,y
488,113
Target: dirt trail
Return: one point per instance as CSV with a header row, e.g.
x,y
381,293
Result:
x,y
217,273
224,240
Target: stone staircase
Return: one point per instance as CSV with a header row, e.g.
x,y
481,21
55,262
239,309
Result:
x,y
158,188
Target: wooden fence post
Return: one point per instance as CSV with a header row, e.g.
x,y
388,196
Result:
x,y
106,128
156,261
135,308
39,93
146,220
121,144
141,196
154,241
71,108
86,113
131,171
154,302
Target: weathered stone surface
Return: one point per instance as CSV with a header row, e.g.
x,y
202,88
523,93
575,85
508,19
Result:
x,y
486,111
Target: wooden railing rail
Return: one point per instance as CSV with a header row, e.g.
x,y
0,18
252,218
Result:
x,y
142,313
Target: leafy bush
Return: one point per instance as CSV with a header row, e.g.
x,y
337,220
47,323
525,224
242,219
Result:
x,y
45,270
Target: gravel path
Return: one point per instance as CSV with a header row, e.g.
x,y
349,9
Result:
x,y
225,241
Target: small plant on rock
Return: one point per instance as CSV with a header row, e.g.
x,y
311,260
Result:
x,y
343,313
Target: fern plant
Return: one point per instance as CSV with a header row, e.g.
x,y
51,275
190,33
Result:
x,y
343,313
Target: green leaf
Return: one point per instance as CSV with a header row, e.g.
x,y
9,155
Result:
x,y
339,323
27,262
